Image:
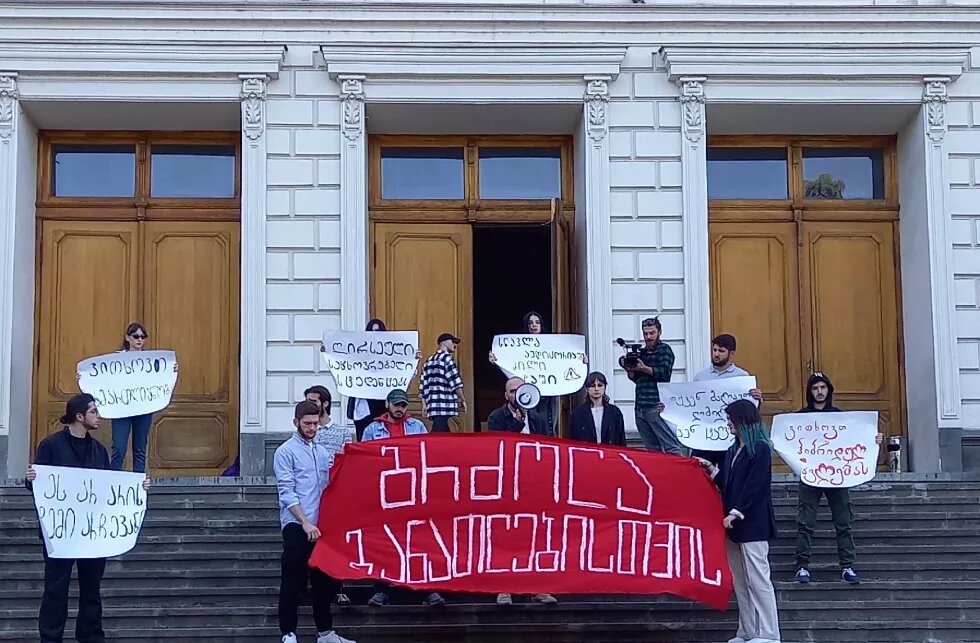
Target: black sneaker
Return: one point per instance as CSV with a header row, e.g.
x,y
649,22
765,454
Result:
x,y
434,600
380,599
343,600
802,575
850,576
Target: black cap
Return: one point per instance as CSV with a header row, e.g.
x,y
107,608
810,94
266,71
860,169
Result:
x,y
446,336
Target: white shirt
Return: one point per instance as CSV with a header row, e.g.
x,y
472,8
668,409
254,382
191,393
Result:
x,y
711,374
361,409
597,413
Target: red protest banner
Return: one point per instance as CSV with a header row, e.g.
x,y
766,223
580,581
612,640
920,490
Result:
x,y
501,512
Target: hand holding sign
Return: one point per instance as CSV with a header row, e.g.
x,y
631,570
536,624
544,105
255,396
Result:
x,y
88,513
368,364
696,410
129,383
556,364
828,450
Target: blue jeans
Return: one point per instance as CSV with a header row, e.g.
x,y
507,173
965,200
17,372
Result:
x,y
656,434
139,426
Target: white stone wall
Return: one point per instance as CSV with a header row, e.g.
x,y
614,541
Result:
x,y
963,146
303,228
646,234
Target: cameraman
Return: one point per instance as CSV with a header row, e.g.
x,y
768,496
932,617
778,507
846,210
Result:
x,y
655,364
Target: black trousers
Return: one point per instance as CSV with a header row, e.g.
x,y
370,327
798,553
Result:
x,y
54,603
440,423
296,574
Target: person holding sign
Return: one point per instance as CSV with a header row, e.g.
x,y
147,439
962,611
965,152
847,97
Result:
x,y
138,425
362,411
745,480
75,447
547,407
597,420
655,364
820,399
302,468
722,367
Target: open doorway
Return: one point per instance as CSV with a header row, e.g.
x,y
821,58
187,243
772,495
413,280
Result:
x,y
511,276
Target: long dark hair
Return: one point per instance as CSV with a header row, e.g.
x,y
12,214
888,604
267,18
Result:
x,y
132,328
74,406
592,378
527,320
748,424
375,322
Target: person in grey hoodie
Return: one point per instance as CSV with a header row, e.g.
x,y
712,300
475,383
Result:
x,y
820,399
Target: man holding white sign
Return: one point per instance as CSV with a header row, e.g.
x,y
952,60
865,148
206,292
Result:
x,y
829,455
64,528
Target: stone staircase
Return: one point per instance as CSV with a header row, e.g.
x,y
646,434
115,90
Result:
x,y
207,569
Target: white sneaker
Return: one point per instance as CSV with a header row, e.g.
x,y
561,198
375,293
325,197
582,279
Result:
x,y
504,599
758,640
289,638
331,637
737,639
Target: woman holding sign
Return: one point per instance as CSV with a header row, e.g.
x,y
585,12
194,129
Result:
x,y
532,324
139,425
364,412
745,480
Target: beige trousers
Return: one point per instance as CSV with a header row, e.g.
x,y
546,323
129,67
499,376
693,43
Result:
x,y
757,615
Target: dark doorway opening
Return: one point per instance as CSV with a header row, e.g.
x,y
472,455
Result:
x,y
511,276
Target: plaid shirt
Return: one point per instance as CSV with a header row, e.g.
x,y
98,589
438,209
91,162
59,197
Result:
x,y
440,381
661,359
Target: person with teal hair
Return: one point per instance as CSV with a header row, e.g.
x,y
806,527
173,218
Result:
x,y
745,480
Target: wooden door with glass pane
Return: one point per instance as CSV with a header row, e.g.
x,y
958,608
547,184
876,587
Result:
x,y
88,291
138,226
423,280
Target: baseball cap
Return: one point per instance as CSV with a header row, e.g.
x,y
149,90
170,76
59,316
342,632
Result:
x,y
446,336
398,396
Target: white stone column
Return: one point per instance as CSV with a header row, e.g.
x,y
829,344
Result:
x,y
934,98
252,349
9,108
353,204
694,190
598,258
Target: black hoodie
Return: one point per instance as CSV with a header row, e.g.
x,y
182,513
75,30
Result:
x,y
810,404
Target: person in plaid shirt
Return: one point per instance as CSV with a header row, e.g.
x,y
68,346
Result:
x,y
441,388
656,365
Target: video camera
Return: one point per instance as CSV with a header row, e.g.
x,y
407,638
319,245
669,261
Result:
x,y
633,352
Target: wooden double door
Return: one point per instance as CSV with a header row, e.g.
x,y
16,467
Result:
x,y
181,280
805,296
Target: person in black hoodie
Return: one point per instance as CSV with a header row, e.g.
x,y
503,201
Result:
x,y
73,446
820,399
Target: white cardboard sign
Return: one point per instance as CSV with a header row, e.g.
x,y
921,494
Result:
x,y
129,383
369,364
552,362
88,513
696,410
829,450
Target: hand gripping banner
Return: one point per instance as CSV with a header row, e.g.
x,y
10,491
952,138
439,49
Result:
x,y
499,512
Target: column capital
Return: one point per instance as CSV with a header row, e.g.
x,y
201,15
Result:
x,y
8,96
352,101
253,105
935,97
596,105
692,100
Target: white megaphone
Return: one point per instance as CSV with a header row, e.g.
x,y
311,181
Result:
x,y
527,396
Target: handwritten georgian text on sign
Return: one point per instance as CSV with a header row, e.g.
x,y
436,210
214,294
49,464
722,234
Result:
x,y
697,410
553,363
369,364
501,513
828,449
88,513
129,383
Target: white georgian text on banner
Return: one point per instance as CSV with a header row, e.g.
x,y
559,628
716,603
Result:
x,y
88,513
552,362
369,364
129,383
696,410
828,450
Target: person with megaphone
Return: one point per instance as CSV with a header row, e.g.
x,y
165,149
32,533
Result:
x,y
517,415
